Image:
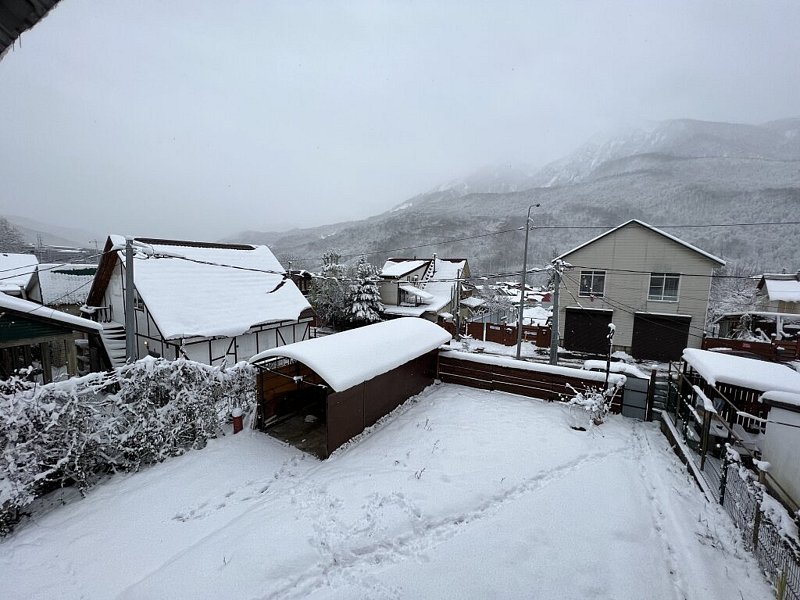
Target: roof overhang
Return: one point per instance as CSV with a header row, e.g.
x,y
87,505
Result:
x,y
677,240
346,359
17,16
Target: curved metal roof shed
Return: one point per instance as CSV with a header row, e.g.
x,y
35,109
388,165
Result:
x,y
319,393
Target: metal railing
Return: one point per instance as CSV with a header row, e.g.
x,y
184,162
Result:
x,y
742,496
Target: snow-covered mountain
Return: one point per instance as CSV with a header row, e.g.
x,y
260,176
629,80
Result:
x,y
54,235
682,138
670,173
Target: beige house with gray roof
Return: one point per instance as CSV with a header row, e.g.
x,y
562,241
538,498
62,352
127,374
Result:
x,y
652,285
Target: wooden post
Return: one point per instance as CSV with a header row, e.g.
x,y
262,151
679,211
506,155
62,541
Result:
x,y
47,366
72,356
651,396
704,443
723,477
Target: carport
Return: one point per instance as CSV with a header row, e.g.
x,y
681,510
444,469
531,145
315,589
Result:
x,y
317,394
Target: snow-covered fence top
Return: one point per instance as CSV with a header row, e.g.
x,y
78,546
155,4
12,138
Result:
x,y
346,359
749,373
614,379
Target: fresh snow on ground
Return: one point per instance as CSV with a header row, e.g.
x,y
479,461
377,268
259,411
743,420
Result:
x,y
460,493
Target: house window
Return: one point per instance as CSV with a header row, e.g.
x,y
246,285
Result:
x,y
593,283
408,299
664,287
137,301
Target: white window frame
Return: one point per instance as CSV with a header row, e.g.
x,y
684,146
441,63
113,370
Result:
x,y
592,273
661,297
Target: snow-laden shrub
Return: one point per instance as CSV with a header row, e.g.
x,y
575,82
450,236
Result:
x,y
70,432
595,403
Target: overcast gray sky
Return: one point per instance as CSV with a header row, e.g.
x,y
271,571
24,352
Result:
x,y
199,119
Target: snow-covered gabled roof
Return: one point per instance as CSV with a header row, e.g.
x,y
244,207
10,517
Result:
x,y
16,271
784,288
397,267
65,283
32,309
749,373
346,359
197,289
687,245
441,287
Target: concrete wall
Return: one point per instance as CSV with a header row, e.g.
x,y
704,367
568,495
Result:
x,y
782,450
636,248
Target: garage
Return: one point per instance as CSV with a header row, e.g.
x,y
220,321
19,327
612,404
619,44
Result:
x,y
659,337
586,330
318,394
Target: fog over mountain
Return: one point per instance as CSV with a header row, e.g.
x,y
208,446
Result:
x,y
677,172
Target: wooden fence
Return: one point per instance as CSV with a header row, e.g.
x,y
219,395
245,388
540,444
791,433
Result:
x,y
530,379
776,351
507,334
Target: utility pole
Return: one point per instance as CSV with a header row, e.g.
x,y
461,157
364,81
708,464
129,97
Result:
x,y
554,320
524,283
130,317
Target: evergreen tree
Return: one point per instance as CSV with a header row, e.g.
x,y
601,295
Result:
x,y
329,293
365,298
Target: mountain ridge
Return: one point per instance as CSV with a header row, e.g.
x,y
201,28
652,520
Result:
x,y
676,172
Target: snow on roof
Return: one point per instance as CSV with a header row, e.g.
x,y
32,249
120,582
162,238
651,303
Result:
x,y
346,359
440,287
616,379
194,291
65,283
16,271
407,287
784,290
651,228
759,375
788,398
398,268
38,310
473,302
615,367
443,282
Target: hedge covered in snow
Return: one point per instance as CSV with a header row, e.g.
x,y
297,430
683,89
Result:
x,y
70,432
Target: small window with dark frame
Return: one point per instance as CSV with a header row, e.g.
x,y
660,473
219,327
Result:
x,y
664,287
593,283
137,301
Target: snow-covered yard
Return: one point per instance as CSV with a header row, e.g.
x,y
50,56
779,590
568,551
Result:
x,y
458,494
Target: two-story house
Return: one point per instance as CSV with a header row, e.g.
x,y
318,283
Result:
x,y
651,285
429,287
204,301
779,293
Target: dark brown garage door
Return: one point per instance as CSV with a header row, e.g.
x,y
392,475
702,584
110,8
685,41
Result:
x,y
586,330
659,337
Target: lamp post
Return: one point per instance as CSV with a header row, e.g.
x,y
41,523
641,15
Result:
x,y
524,277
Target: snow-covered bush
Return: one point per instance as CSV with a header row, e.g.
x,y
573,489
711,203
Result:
x,y
70,432
595,403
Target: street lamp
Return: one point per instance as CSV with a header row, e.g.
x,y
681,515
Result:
x,y
524,277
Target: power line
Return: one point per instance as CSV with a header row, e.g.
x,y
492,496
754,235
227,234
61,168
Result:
x,y
685,226
627,308
616,270
37,267
534,227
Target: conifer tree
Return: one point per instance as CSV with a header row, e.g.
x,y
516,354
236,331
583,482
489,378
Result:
x,y
365,297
